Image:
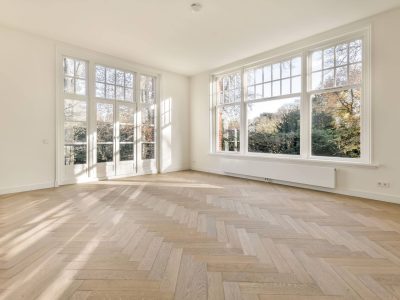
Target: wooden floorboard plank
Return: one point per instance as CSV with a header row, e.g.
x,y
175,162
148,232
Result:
x,y
193,235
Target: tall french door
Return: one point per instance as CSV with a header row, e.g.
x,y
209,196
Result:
x,y
115,143
110,126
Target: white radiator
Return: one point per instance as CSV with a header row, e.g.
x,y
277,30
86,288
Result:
x,y
290,172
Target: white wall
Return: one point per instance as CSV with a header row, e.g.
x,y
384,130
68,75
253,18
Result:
x,y
385,99
27,113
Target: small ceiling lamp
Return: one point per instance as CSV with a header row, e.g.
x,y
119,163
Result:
x,y
196,7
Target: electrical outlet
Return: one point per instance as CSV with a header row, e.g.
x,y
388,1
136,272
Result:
x,y
384,184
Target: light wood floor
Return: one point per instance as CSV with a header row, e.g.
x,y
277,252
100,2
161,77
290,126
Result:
x,y
191,235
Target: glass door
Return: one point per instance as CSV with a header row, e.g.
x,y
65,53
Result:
x,y
116,132
113,134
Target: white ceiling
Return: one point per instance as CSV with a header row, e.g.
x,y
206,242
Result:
x,y
167,35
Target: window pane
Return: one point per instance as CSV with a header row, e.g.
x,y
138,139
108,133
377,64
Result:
x,y
104,112
296,66
100,74
128,94
110,91
237,95
119,93
231,96
126,114
341,54
316,80
267,90
80,69
104,152
259,76
129,80
286,86
74,154
341,76
100,90
336,124
250,93
274,126
329,78
285,69
126,133
69,85
74,132
80,87
296,84
125,152
74,110
276,71
276,88
120,77
316,61
148,133
355,51
250,77
259,91
147,89
148,115
110,75
105,132
68,66
228,122
355,73
329,58
147,151
267,73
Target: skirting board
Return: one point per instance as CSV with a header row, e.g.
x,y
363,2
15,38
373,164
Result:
x,y
353,193
25,188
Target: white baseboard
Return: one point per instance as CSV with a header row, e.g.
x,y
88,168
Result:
x,y
354,193
25,188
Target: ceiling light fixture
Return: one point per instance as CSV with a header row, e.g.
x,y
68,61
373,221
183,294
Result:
x,y
196,7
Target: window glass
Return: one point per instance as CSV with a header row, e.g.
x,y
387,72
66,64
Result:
x,y
336,124
274,80
114,84
274,126
337,66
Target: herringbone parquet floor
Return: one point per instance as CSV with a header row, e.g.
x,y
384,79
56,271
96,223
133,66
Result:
x,y
191,235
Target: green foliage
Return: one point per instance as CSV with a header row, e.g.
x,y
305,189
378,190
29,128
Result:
x,y
276,133
336,124
335,127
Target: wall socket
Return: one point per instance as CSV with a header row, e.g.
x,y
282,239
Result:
x,y
383,184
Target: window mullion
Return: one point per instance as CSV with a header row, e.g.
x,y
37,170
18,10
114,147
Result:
x,y
305,110
243,116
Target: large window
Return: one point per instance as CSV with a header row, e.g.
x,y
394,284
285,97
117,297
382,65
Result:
x,y
336,78
273,107
313,105
75,111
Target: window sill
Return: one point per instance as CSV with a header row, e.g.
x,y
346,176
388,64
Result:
x,y
300,160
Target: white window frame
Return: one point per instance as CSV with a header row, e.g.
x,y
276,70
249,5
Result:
x,y
304,52
93,58
215,105
76,97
